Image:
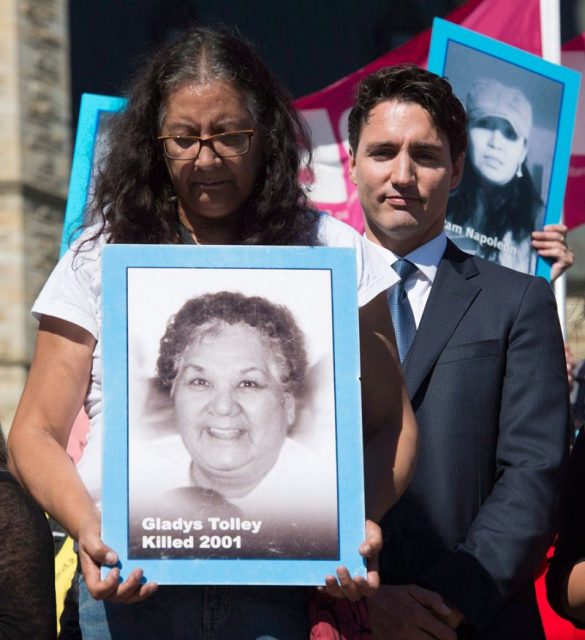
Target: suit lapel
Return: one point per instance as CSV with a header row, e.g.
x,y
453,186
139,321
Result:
x,y
452,293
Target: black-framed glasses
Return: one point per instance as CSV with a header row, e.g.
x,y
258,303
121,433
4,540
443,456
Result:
x,y
224,145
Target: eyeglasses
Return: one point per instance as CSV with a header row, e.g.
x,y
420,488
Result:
x,y
224,145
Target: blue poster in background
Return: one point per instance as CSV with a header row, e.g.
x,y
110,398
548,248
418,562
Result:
x,y
94,113
521,113
232,413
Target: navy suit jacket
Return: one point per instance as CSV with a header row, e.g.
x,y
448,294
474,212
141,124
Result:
x,y
487,378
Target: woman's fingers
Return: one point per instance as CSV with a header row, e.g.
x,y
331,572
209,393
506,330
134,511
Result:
x,y
133,589
93,553
372,545
370,549
551,233
342,585
551,243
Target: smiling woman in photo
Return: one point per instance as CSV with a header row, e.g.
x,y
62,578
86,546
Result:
x,y
497,197
234,367
235,370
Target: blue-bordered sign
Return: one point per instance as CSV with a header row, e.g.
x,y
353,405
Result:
x,y
521,113
93,114
232,418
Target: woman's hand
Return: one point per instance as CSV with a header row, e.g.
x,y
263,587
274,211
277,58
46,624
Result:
x,y
344,586
551,243
93,553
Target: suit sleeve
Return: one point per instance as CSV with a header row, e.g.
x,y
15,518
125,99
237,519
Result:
x,y
514,526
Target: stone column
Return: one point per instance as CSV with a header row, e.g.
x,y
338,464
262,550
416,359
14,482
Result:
x,y
35,149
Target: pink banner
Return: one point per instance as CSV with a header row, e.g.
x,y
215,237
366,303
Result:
x,y
575,194
327,111
573,56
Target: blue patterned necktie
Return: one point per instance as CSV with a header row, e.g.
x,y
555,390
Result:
x,y
400,309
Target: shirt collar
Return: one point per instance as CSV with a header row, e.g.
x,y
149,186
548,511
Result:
x,y
426,258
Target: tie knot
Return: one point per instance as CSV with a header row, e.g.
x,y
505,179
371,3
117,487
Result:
x,y
404,268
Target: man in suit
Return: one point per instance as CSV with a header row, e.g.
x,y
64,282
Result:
x,y
484,366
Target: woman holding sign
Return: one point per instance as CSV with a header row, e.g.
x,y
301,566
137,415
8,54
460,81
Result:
x,y
206,152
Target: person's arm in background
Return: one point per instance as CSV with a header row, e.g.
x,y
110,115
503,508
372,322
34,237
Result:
x,y
565,579
571,365
27,567
390,439
390,429
574,599
551,243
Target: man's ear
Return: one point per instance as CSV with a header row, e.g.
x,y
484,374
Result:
x,y
457,171
352,170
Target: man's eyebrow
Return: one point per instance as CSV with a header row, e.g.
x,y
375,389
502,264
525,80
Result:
x,y
417,146
430,146
381,144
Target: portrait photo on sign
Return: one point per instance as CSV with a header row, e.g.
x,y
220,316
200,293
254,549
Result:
x,y
231,423
519,109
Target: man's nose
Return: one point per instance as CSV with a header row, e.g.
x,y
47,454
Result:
x,y
403,171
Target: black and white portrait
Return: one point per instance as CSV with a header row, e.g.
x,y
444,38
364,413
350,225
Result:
x,y
513,115
232,443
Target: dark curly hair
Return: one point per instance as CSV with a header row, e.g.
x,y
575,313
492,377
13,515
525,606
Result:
x,y
409,83
133,196
3,450
515,207
207,313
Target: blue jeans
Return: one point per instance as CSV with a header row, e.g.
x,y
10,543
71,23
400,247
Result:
x,y
199,613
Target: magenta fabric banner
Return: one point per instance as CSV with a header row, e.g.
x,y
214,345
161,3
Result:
x,y
573,56
327,111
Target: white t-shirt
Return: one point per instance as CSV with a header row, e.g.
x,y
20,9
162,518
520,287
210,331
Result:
x,y
73,293
301,481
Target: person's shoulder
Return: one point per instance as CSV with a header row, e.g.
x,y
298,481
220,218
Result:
x,y
491,273
336,233
83,251
89,243
73,290
374,274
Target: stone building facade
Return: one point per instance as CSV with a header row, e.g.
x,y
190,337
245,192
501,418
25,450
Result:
x,y
35,151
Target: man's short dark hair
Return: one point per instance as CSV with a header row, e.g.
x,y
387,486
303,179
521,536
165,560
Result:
x,y
409,83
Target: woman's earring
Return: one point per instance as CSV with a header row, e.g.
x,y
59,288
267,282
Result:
x,y
519,171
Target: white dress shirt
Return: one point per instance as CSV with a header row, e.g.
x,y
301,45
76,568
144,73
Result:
x,y
426,258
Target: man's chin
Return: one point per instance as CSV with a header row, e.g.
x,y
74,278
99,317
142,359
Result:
x,y
395,231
